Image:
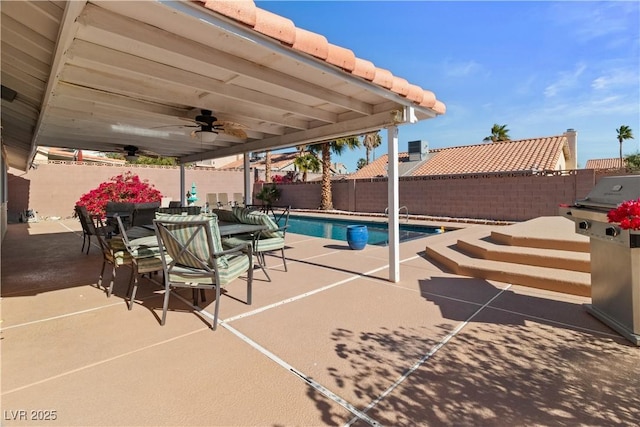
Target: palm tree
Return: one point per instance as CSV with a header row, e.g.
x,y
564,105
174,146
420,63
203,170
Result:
x,y
307,162
326,148
371,141
624,132
498,133
361,163
267,166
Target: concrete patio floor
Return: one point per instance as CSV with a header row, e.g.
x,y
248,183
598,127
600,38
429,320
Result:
x,y
330,342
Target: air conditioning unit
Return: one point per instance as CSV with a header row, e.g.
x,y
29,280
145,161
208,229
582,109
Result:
x,y
418,150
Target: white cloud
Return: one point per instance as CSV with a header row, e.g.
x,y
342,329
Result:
x,y
463,69
567,80
617,78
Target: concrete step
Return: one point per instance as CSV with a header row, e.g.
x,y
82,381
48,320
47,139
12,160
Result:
x,y
546,232
484,248
553,279
543,253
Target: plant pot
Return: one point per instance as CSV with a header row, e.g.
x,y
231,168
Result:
x,y
357,236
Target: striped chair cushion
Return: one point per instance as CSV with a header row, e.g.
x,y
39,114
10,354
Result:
x,y
248,216
225,215
237,265
199,245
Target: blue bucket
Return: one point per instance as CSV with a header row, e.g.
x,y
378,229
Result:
x,y
357,236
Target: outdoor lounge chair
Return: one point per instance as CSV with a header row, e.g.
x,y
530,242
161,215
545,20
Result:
x,y
145,258
223,200
193,257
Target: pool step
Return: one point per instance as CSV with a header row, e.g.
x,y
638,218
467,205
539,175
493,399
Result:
x,y
537,263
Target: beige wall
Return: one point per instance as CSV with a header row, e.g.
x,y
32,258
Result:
x,y
53,189
515,196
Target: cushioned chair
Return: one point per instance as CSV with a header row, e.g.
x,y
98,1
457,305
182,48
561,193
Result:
x,y
193,257
145,257
88,226
223,200
269,240
113,252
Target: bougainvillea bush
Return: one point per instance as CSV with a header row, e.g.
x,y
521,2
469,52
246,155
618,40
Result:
x,y
627,214
126,187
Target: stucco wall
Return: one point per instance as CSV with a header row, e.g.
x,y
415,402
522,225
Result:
x,y
516,196
53,188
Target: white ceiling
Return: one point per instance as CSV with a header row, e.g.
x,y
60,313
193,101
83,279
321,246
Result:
x,y
101,75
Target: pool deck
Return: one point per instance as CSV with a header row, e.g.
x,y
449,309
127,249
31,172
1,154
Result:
x,y
330,342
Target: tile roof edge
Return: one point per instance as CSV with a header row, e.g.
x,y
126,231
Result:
x,y
284,30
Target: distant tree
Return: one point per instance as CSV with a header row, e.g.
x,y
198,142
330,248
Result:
x,y
624,133
267,166
361,163
371,141
632,162
326,148
166,161
498,133
307,162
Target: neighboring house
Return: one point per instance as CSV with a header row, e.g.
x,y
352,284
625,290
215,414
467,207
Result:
x,y
45,154
604,164
547,153
282,164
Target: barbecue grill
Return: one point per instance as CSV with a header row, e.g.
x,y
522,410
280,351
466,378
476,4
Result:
x,y
615,254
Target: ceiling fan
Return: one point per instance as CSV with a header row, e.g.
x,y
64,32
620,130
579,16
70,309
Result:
x,y
208,127
132,153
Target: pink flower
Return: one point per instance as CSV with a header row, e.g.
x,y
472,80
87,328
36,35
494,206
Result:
x,y
627,214
121,188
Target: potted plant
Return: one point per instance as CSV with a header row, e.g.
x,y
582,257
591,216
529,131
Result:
x,y
268,195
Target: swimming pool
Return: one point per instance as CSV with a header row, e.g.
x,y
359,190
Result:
x,y
336,229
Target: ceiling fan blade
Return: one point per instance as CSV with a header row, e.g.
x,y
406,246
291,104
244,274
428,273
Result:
x,y
238,133
229,124
176,126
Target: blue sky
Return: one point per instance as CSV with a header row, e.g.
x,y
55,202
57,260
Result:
x,y
538,67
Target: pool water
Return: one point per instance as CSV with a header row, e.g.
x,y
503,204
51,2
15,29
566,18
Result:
x,y
336,229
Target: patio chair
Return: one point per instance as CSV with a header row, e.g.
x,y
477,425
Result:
x,y
113,253
193,257
269,240
145,259
175,204
88,227
238,199
223,200
142,215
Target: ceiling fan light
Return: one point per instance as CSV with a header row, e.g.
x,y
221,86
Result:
x,y
131,158
208,136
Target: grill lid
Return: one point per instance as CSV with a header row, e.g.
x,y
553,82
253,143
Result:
x,y
610,191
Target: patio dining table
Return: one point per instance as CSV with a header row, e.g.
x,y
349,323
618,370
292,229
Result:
x,y
144,235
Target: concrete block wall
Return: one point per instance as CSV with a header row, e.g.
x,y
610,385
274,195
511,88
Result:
x,y
53,188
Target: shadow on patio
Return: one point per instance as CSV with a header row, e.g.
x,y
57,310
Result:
x,y
330,342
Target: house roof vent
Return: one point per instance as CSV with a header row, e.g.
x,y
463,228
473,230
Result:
x,y
418,150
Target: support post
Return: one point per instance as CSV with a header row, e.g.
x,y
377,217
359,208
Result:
x,y
247,179
183,195
393,203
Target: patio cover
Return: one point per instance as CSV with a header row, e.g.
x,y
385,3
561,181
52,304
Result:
x,y
101,75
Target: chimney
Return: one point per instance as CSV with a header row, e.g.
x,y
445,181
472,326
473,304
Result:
x,y
572,140
418,150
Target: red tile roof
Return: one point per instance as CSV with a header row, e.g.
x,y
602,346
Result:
x,y
279,161
524,154
285,31
603,163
